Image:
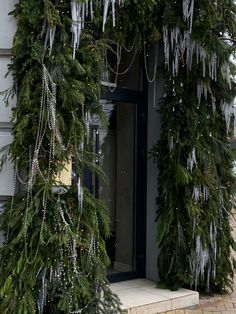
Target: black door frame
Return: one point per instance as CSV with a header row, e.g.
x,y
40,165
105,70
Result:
x,y
140,179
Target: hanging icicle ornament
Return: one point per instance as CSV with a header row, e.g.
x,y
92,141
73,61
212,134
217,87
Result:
x,y
225,72
77,23
80,195
171,143
41,302
165,32
178,45
188,9
201,90
191,160
80,11
229,111
200,194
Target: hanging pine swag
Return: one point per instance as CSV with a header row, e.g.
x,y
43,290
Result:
x,y
195,182
54,259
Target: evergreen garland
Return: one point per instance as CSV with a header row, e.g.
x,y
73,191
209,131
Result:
x,y
194,157
54,259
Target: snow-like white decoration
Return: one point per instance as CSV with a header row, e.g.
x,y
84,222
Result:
x,y
191,160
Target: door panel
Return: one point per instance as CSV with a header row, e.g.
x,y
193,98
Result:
x,y
117,161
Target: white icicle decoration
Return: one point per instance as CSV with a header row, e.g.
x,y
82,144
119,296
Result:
x,y
201,90
105,12
166,45
91,9
191,160
229,111
213,237
80,195
213,66
196,193
200,194
171,143
202,261
203,57
188,9
77,23
87,122
50,36
113,12
80,10
43,294
225,72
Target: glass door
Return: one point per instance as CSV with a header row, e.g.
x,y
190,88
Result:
x,y
117,161
122,152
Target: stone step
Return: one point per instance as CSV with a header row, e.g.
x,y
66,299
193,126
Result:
x,y
141,296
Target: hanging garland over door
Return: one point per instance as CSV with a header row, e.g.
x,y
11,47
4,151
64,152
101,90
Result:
x,y
54,258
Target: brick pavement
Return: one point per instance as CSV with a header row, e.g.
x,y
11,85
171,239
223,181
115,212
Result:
x,y
216,304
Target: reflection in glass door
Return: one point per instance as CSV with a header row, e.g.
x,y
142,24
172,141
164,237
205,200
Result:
x,y
117,161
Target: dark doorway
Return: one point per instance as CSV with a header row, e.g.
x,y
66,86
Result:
x,y
123,150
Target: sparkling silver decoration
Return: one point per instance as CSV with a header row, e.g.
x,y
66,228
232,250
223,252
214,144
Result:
x,y
191,160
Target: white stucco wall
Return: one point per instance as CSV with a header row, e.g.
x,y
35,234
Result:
x,y
7,30
7,23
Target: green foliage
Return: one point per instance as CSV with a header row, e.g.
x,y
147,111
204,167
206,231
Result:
x,y
185,233
31,251
53,247
39,235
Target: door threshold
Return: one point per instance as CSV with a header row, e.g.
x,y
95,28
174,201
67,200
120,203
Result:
x,y
140,296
